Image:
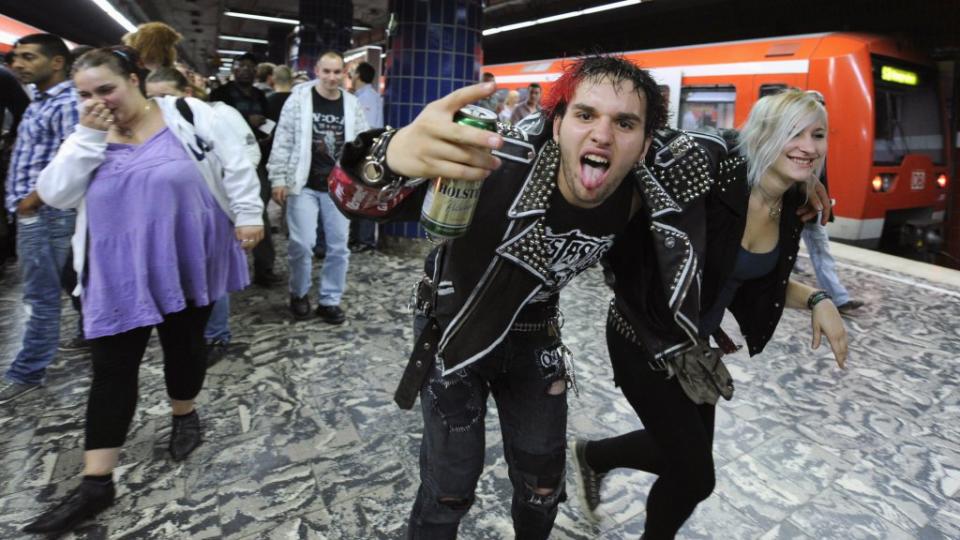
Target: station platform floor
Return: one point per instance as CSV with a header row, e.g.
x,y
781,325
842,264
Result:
x,y
303,440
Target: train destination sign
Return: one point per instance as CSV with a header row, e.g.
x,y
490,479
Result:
x,y
897,75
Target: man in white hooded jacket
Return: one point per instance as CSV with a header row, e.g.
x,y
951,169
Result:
x,y
314,123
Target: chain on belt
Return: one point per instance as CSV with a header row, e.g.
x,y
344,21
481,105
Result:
x,y
555,321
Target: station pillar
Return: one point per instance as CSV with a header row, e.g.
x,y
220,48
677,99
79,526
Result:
x,y
434,48
324,25
277,47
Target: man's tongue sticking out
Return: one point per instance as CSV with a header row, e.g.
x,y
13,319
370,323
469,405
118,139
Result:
x,y
592,173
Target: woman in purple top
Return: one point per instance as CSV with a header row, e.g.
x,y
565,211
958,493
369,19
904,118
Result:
x,y
164,209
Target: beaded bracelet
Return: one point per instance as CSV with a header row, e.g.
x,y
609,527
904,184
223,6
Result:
x,y
817,297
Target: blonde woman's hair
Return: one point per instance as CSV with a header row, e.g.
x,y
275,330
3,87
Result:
x,y
773,121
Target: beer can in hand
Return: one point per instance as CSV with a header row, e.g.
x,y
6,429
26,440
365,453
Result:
x,y
449,205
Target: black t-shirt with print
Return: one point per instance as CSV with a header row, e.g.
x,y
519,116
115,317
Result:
x,y
328,136
578,237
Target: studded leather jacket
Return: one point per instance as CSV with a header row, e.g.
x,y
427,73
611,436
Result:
x,y
484,279
655,267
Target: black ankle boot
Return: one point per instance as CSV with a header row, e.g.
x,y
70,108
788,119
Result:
x,y
87,500
185,437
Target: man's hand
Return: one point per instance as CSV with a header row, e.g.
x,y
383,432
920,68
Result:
x,y
249,236
29,205
826,320
818,202
434,145
280,195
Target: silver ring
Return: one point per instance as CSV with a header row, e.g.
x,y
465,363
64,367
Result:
x,y
246,241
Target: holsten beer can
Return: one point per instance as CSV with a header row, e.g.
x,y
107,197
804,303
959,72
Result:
x,y
448,207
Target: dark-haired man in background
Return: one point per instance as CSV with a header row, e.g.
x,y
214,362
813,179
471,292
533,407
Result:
x,y
528,107
43,232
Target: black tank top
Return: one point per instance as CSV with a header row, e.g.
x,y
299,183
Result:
x,y
749,266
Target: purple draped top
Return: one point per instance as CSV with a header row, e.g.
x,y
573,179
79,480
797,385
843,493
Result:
x,y
157,239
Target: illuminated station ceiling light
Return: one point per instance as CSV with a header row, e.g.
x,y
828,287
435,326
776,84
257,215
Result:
x,y
560,16
114,14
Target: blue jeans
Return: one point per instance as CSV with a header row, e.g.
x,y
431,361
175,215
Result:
x,y
520,373
365,232
218,325
302,213
818,246
43,245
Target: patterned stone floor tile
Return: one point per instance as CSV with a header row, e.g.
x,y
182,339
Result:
x,y
302,439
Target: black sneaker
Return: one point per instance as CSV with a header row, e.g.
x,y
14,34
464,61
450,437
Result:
x,y
216,350
331,314
300,307
74,345
361,248
185,435
267,279
589,481
849,305
10,391
86,501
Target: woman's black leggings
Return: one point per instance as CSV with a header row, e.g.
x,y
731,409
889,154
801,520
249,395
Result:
x,y
676,444
116,365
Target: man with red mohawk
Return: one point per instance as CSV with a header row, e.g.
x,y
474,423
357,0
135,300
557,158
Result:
x,y
556,189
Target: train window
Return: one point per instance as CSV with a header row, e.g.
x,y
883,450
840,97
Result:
x,y
771,89
907,116
707,106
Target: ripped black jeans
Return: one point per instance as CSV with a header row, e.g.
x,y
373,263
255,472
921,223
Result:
x,y
526,376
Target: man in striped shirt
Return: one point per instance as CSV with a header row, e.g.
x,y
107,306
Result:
x,y
43,233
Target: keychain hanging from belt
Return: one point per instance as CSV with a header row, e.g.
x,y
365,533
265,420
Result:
x,y
553,329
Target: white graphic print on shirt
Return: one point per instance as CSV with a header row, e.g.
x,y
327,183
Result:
x,y
571,253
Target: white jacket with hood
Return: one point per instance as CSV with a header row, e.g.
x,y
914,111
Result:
x,y
289,163
217,150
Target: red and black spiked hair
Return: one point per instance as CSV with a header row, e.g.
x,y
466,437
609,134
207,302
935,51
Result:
x,y
612,68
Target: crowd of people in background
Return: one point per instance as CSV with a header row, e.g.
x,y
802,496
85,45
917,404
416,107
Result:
x,y
83,132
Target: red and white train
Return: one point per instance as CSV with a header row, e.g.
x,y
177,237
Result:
x,y
888,157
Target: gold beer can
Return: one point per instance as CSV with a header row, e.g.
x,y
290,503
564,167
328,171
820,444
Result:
x,y
449,204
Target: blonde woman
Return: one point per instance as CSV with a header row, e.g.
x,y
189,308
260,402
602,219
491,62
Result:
x,y
752,237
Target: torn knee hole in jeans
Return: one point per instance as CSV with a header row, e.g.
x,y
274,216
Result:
x,y
543,478
557,387
545,498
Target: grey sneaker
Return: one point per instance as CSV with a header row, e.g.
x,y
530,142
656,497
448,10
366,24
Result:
x,y
10,391
589,481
